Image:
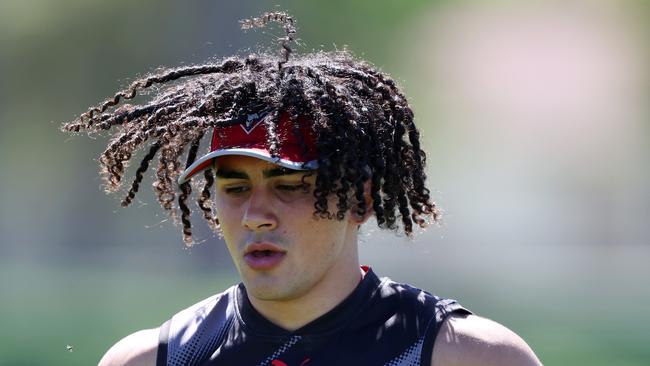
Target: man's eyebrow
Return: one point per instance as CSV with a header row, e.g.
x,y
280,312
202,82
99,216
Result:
x,y
280,171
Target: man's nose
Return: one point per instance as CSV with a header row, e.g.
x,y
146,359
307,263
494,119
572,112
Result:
x,y
259,214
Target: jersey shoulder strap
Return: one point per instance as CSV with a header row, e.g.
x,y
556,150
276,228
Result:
x,y
191,335
443,309
423,314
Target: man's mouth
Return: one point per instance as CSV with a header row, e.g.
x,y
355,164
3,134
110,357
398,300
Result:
x,y
263,256
262,253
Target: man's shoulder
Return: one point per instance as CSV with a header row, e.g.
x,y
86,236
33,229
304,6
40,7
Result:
x,y
137,349
473,340
141,348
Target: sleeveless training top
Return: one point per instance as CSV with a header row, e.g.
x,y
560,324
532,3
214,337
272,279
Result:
x,y
381,323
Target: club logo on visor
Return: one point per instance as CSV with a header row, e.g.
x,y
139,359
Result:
x,y
253,120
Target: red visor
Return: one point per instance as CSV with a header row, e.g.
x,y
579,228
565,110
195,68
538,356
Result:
x,y
296,145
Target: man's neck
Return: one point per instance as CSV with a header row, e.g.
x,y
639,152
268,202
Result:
x,y
324,296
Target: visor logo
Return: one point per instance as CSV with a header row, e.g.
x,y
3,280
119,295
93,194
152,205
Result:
x,y
252,121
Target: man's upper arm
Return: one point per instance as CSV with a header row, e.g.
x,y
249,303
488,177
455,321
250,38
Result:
x,y
137,349
472,340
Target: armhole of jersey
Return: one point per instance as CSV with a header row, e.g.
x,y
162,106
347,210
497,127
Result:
x,y
444,309
163,339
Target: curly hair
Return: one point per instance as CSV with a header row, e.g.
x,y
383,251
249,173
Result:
x,y
363,124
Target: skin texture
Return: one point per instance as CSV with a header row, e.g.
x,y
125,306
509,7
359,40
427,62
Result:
x,y
473,340
137,349
319,269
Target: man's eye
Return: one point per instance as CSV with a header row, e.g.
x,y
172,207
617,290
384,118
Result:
x,y
235,190
293,187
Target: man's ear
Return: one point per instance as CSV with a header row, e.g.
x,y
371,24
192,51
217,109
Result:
x,y
361,219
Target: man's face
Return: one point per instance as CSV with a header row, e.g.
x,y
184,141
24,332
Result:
x,y
280,249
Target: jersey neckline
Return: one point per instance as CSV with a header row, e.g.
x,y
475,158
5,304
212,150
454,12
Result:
x,y
332,321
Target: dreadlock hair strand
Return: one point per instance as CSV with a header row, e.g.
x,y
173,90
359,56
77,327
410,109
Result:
x,y
144,165
287,24
204,202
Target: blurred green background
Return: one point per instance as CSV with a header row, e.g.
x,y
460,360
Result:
x,y
535,119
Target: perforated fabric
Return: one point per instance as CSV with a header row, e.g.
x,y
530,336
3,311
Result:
x,y
196,332
293,340
410,357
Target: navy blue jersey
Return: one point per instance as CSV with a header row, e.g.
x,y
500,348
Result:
x,y
381,323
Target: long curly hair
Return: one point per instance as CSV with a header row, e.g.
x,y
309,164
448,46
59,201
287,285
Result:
x,y
363,125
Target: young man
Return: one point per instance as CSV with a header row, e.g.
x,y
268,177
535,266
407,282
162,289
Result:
x,y
302,153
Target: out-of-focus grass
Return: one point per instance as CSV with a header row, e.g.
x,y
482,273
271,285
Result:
x,y
45,309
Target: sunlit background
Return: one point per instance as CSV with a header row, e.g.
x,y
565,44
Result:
x,y
534,117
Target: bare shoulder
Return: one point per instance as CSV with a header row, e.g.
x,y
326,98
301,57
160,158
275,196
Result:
x,y
137,349
473,340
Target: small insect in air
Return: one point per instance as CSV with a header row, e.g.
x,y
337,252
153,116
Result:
x,y
69,348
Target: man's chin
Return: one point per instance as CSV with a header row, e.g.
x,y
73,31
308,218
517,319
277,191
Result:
x,y
273,289
268,293
266,286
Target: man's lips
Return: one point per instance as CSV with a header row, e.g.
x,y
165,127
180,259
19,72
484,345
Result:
x,y
262,247
263,256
